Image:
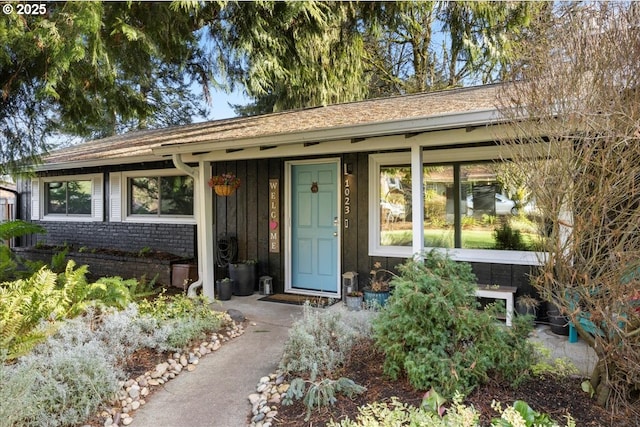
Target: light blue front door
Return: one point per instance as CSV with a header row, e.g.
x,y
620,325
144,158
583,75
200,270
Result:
x,y
314,228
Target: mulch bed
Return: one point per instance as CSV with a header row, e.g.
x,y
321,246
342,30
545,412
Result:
x,y
556,397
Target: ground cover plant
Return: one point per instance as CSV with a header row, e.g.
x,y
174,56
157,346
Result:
x,y
64,340
31,308
317,347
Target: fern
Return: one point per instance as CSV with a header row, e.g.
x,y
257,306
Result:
x,y
17,228
25,307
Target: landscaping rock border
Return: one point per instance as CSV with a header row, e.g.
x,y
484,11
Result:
x,y
134,391
269,391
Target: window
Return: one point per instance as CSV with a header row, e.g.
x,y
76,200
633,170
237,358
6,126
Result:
x,y
494,216
160,196
396,213
488,215
68,197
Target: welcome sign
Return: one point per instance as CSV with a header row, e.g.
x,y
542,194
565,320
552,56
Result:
x,y
274,216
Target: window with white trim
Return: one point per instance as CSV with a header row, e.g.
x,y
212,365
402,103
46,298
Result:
x,y
155,196
67,198
71,197
468,209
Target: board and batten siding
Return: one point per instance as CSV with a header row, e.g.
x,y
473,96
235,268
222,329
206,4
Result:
x,y
245,215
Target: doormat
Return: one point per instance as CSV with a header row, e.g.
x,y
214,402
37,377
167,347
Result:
x,y
322,302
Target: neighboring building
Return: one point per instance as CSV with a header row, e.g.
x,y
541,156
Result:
x,y
8,196
323,190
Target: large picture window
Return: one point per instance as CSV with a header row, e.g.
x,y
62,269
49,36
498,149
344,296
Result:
x,y
467,206
160,195
68,197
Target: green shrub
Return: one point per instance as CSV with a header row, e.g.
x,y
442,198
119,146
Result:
x,y
8,261
489,219
431,330
468,221
509,238
434,205
181,319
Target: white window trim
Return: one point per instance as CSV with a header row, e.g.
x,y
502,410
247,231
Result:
x,y
155,219
458,254
38,200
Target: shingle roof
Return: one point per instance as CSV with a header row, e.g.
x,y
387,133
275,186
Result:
x,y
138,144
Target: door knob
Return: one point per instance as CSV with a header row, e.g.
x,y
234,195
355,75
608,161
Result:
x,y
335,234
335,221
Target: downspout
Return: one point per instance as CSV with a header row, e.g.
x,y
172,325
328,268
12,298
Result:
x,y
180,165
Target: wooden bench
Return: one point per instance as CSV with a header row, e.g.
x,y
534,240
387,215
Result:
x,y
499,292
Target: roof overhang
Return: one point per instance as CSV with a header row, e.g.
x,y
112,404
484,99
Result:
x,y
96,163
352,132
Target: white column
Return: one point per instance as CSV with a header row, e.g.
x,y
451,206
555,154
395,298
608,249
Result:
x,y
417,199
204,219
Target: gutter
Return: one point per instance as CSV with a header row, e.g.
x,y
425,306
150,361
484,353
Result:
x,y
180,165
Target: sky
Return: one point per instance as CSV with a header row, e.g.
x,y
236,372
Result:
x,y
220,108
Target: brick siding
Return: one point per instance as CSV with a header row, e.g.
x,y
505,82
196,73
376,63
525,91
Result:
x,y
177,239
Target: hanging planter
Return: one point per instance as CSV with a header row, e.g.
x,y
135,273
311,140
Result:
x,y
224,190
225,184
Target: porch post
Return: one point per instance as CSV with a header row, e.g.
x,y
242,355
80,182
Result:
x,y
206,262
417,200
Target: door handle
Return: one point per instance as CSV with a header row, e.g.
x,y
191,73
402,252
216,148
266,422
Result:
x,y
335,234
335,221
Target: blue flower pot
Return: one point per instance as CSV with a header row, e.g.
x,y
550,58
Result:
x,y
373,299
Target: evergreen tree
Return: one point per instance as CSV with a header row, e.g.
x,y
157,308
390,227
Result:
x,y
94,69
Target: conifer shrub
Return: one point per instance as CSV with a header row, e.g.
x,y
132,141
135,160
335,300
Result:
x,y
432,331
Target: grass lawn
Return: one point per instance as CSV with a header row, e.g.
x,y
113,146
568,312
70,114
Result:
x,y
443,238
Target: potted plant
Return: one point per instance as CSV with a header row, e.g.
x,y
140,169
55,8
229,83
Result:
x,y
354,301
225,288
527,305
379,289
225,184
558,321
245,276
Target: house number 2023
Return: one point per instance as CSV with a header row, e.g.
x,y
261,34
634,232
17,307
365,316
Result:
x,y
347,201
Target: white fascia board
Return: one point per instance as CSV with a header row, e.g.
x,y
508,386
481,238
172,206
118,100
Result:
x,y
392,127
97,162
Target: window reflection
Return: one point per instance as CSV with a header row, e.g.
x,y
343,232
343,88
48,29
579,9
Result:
x,y
494,211
494,214
165,195
68,197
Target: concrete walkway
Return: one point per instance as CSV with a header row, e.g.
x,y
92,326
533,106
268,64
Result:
x,y
215,394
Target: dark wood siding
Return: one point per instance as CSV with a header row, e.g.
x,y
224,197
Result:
x,y
245,215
